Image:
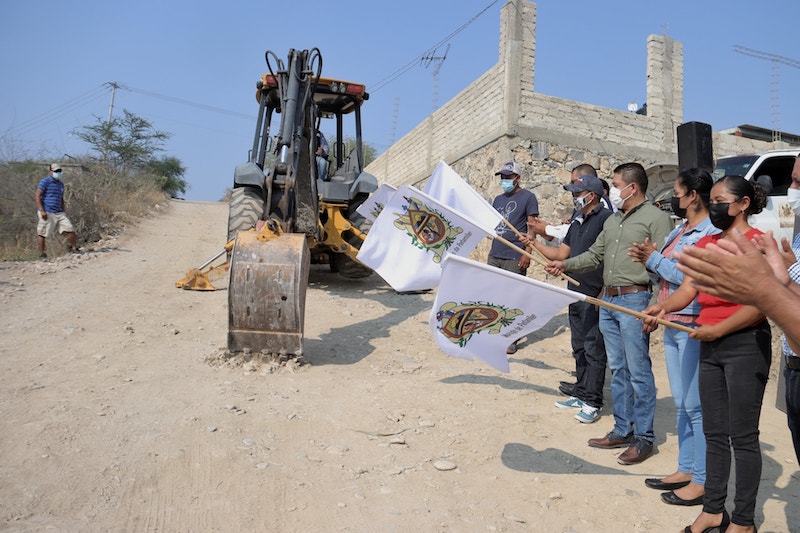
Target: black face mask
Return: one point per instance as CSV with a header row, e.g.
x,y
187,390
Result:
x,y
718,213
674,203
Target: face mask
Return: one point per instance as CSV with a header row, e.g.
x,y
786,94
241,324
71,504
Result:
x,y
615,195
507,185
793,195
56,175
675,204
579,202
718,213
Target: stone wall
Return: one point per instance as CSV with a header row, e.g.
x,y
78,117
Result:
x,y
499,118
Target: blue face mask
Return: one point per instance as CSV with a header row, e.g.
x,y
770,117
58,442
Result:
x,y
507,185
57,175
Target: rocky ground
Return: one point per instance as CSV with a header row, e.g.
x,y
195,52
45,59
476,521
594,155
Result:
x,y
119,411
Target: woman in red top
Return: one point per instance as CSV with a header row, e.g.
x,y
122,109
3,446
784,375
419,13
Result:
x,y
735,354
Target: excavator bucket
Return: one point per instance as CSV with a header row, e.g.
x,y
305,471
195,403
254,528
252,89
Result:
x,y
267,294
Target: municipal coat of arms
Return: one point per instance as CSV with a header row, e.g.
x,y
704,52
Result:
x,y
427,227
459,322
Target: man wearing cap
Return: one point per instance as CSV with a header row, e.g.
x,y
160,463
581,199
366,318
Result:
x,y
519,207
586,396
50,203
626,284
554,234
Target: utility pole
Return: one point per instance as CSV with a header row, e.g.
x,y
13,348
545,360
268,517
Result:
x,y
775,103
114,86
395,109
437,69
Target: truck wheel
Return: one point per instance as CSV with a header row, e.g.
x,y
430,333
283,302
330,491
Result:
x,y
246,209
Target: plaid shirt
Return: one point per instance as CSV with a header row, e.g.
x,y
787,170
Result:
x,y
794,273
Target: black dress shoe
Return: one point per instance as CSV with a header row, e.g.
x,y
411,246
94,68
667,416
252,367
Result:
x,y
655,483
673,499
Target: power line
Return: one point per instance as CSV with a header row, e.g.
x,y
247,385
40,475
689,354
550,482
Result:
x,y
380,84
189,103
59,111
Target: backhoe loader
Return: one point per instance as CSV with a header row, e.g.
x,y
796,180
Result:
x,y
283,215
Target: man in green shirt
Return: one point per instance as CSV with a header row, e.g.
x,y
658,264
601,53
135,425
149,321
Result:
x,y
626,284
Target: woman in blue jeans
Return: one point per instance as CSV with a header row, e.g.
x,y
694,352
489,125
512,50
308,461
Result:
x,y
690,198
735,356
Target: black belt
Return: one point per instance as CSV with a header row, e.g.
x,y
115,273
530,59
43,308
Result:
x,y
792,362
628,289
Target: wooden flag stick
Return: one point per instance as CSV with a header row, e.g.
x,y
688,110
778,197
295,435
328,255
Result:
x,y
520,235
637,314
542,262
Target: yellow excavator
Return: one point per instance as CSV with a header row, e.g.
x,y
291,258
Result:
x,y
288,208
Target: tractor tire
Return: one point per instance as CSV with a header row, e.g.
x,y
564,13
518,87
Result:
x,y
246,209
347,268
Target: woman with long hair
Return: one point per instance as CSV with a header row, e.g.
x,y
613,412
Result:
x,y
735,355
691,193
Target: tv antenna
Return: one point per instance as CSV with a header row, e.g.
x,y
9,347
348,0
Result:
x,y
438,60
774,94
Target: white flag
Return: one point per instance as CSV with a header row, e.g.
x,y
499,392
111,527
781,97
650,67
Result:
x,y
446,186
411,237
480,310
373,205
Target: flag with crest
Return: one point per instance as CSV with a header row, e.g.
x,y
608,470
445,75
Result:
x,y
480,310
412,235
446,186
372,206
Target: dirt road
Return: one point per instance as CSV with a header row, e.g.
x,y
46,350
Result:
x,y
116,414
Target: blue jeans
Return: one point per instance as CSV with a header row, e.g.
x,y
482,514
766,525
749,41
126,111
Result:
x,y
633,387
682,356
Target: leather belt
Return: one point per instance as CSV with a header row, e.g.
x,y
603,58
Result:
x,y
792,362
628,289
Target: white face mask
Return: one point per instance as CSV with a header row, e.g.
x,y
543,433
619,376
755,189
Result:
x,y
793,195
57,175
615,195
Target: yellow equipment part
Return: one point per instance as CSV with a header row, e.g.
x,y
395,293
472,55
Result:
x,y
201,278
267,293
336,225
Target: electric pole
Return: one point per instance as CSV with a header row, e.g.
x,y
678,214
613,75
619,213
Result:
x,y
436,70
775,102
114,86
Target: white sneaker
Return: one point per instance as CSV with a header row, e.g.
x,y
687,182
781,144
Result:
x,y
588,414
570,403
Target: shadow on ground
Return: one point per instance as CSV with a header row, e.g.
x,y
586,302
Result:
x,y
524,458
354,340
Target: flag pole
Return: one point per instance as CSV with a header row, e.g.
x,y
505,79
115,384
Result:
x,y
637,314
528,254
519,235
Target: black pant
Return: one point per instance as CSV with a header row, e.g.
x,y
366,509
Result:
x,y
733,374
589,351
793,406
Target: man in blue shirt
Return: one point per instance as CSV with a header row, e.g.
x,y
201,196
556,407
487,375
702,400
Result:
x,y
50,204
519,207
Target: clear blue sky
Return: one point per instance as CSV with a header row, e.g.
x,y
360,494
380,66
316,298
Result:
x,y
58,55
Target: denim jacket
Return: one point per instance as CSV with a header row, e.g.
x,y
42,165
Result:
x,y
665,268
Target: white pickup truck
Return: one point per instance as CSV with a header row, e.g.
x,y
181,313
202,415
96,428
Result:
x,y
772,169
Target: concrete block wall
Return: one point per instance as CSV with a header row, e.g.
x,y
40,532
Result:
x,y
472,115
499,117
